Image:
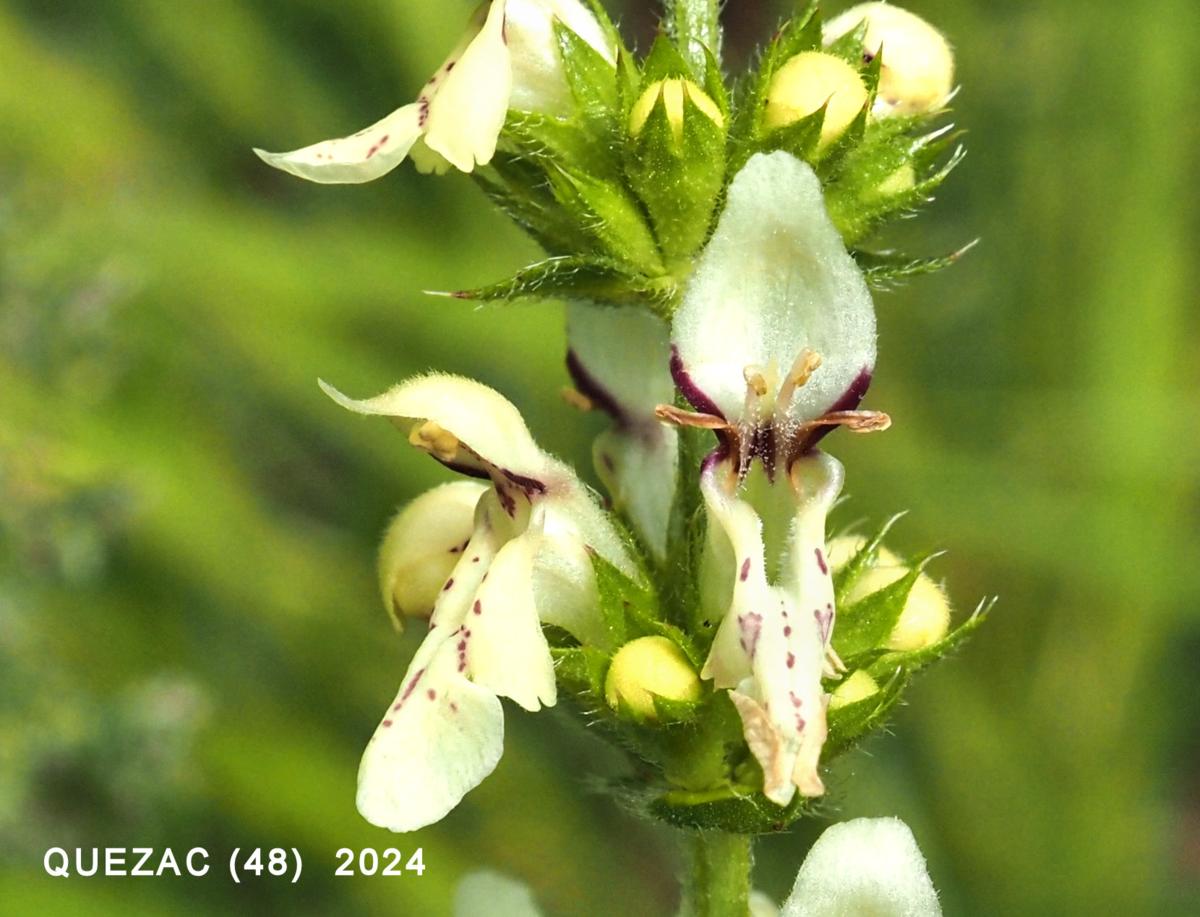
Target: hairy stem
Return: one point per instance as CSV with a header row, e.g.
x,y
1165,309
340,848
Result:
x,y
718,877
695,25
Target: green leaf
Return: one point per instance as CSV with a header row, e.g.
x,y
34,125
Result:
x,y
593,80
849,724
664,62
518,188
622,601
596,279
887,269
847,575
611,216
678,178
581,670
867,623
918,659
551,142
850,47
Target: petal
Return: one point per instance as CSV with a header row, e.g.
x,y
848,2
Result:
x,y
465,109
441,737
770,646
864,866
495,895
564,589
486,433
422,545
501,638
774,281
361,157
620,359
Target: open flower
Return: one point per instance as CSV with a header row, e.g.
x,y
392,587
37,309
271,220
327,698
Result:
x,y
524,563
619,362
507,59
774,343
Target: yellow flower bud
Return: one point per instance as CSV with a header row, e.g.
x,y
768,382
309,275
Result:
x,y
672,92
926,616
858,686
903,179
646,668
917,71
808,81
422,544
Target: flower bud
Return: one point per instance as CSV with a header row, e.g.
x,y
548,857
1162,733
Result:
x,y
672,92
646,668
807,82
926,616
422,544
858,686
917,71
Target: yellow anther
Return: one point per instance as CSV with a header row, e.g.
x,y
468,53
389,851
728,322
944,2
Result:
x,y
577,399
436,440
756,381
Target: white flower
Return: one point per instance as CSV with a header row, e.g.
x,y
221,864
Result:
x,y
524,563
619,360
507,59
868,866
916,74
774,344
486,892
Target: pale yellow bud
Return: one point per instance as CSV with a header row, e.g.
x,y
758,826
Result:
x,y
422,544
858,686
917,71
903,179
808,81
926,616
646,668
672,92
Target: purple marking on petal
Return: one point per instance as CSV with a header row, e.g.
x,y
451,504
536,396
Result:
x,y
412,685
745,570
594,390
529,485
750,626
796,701
787,630
431,694
821,561
477,607
824,622
692,392
453,707
449,583
791,660
387,724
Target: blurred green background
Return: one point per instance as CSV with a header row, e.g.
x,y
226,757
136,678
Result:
x,y
191,648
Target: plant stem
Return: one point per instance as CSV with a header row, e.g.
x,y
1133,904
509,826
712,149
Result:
x,y
718,882
696,25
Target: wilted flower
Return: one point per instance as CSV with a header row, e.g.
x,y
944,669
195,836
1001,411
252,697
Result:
x,y
507,59
619,361
524,563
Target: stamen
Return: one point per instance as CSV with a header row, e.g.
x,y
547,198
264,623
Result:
x,y
807,363
577,399
681,418
437,440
